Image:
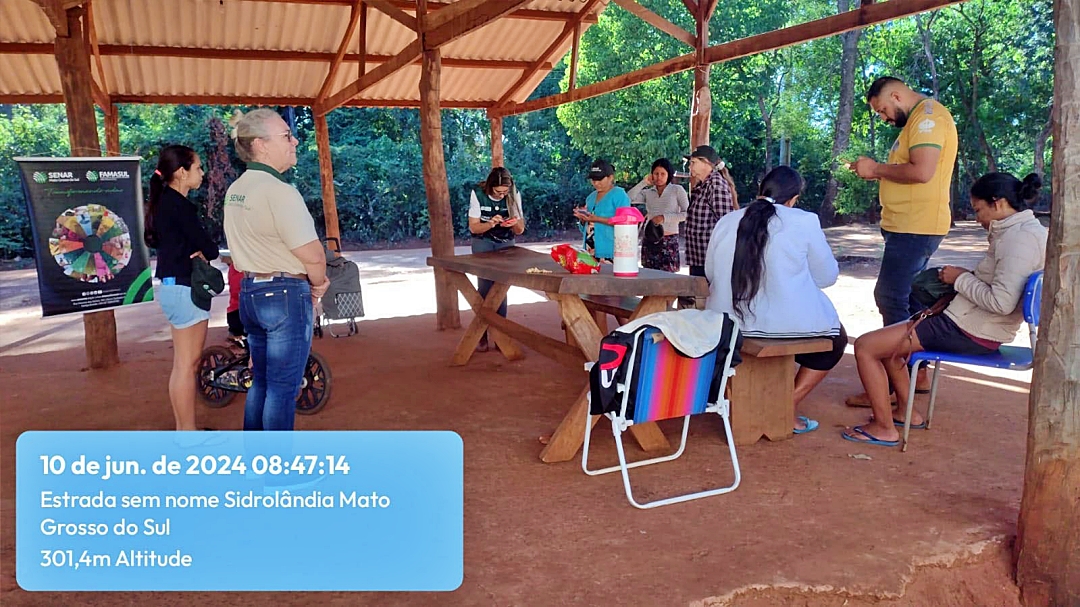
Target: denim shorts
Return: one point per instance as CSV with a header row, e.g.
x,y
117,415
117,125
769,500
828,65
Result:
x,y
180,311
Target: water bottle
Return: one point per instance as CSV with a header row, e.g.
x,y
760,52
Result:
x,y
626,222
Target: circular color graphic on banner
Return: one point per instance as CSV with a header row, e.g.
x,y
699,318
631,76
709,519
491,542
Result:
x,y
91,243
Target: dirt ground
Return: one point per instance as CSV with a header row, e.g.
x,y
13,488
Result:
x,y
811,524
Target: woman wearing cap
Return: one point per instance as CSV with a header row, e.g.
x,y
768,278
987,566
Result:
x,y
272,240
173,228
495,218
767,264
665,205
599,210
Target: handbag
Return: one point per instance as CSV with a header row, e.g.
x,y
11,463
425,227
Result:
x,y
928,289
652,234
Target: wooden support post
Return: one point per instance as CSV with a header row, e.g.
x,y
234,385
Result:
x,y
326,177
497,159
112,130
574,57
701,103
437,188
361,68
73,62
1048,530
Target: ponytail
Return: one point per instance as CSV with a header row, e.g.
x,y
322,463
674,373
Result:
x,y
171,159
748,266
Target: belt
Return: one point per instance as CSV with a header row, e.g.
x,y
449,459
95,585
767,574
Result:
x,y
274,275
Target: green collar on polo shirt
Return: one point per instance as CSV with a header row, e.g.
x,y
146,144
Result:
x,y
258,166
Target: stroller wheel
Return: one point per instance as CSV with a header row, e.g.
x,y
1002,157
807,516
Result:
x,y
214,357
315,390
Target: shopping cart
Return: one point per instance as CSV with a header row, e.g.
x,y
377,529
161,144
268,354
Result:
x,y
343,302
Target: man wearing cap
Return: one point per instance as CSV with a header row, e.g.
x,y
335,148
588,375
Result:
x,y
914,185
710,199
599,209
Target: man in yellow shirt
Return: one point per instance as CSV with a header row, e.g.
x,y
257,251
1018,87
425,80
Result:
x,y
914,185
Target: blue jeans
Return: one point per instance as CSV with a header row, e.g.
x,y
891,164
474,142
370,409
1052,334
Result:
x,y
905,256
279,319
483,245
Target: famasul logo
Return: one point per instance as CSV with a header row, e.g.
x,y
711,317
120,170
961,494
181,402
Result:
x,y
91,176
40,177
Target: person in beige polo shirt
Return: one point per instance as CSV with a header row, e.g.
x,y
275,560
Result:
x,y
272,239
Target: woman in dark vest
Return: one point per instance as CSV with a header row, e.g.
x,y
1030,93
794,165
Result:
x,y
495,218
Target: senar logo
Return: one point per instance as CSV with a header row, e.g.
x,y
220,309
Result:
x,y
40,177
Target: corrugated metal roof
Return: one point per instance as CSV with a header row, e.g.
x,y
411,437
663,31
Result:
x,y
192,27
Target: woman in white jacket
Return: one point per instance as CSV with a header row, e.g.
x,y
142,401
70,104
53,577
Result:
x,y
984,314
767,264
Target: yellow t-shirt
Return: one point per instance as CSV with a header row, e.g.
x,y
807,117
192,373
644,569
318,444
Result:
x,y
265,219
921,208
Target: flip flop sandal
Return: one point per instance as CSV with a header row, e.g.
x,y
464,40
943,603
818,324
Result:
x,y
899,423
811,425
870,438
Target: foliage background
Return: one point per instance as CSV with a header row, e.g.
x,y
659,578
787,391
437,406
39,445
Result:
x,y
989,61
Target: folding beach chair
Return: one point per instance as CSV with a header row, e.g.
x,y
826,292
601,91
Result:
x,y
1012,358
641,377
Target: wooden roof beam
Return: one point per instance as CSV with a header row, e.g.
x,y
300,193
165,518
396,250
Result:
x,y
410,5
658,22
407,55
57,15
389,9
866,15
30,99
124,50
354,20
96,53
440,28
710,8
569,30
691,5
465,16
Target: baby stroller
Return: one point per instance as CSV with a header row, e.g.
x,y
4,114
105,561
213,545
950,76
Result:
x,y
343,301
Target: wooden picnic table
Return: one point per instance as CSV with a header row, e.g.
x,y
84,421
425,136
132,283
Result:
x,y
509,267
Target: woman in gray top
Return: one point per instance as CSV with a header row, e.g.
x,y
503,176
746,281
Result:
x,y
665,205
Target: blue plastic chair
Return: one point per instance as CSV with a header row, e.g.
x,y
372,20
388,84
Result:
x,y
1012,358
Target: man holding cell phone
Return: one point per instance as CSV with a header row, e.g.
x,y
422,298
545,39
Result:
x,y
914,185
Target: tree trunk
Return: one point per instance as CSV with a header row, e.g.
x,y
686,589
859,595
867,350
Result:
x,y
1040,145
437,188
766,117
844,112
923,23
73,63
326,178
1048,531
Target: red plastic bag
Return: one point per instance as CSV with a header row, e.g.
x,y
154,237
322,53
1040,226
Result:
x,y
574,261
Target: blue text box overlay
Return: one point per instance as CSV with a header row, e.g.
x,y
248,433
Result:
x,y
239,511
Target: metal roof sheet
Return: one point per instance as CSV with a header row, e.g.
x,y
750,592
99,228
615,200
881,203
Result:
x,y
137,68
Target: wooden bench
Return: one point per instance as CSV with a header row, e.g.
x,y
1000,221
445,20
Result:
x,y
762,390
